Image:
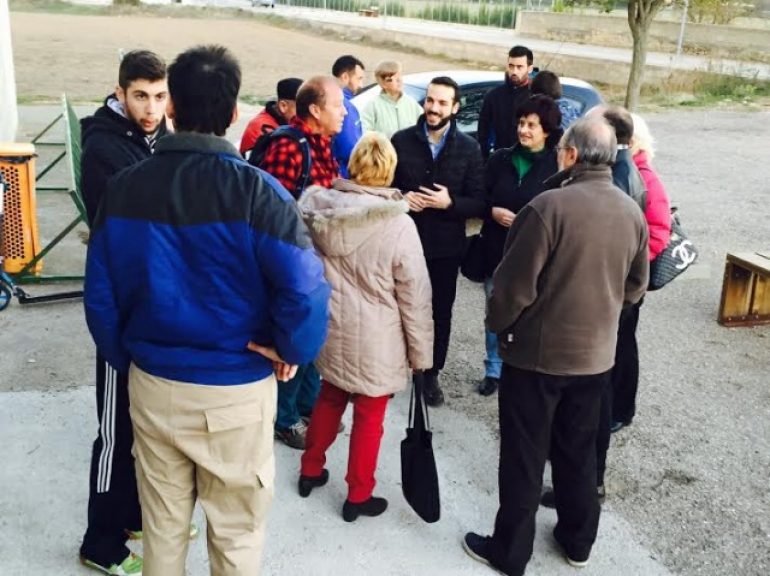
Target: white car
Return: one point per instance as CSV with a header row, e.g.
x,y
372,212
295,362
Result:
x,y
266,3
474,85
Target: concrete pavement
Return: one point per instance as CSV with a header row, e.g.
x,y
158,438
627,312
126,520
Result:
x,y
43,496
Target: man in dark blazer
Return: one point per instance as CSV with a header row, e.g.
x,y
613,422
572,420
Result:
x,y
440,172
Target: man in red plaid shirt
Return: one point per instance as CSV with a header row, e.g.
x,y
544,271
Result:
x,y
320,112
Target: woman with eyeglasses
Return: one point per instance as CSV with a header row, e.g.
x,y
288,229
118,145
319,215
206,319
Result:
x,y
392,110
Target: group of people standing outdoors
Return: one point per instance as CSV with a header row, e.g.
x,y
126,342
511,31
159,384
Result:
x,y
325,255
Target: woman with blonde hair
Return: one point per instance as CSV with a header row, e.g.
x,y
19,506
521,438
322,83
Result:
x,y
380,324
392,110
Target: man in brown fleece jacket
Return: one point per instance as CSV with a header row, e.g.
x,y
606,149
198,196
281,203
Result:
x,y
575,255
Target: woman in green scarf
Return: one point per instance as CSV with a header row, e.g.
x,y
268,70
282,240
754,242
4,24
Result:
x,y
514,176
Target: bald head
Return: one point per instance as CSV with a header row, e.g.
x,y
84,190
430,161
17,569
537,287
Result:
x,y
593,142
313,91
320,104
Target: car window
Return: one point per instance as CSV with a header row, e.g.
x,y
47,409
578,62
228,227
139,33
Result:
x,y
470,108
577,105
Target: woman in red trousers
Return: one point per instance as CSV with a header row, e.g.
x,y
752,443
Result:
x,y
380,322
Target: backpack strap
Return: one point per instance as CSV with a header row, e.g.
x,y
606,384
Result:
x,y
258,153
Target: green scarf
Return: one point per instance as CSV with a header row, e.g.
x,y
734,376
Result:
x,y
523,159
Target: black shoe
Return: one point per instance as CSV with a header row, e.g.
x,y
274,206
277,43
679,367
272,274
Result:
x,y
618,425
548,498
573,558
477,547
488,386
307,483
372,507
433,394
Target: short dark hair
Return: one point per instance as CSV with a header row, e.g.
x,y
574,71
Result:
x,y
519,51
546,82
447,81
140,65
346,63
312,91
203,83
286,89
621,121
545,109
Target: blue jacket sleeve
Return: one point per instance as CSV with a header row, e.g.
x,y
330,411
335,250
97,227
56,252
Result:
x,y
344,142
102,314
299,293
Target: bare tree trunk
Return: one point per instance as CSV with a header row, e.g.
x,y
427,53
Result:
x,y
641,13
636,74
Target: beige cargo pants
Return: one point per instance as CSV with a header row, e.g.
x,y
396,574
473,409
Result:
x,y
213,443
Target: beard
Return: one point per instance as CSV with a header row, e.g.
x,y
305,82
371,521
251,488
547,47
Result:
x,y
443,122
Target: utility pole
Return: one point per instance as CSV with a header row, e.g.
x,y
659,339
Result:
x,y
680,41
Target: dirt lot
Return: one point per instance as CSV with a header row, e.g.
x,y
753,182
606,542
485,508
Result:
x,y
52,57
692,474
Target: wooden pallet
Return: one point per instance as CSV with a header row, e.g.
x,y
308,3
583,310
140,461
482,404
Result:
x,y
746,290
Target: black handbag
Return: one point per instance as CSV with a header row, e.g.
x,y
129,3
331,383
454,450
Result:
x,y
678,256
472,264
419,478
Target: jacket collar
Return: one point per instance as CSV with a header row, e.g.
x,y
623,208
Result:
x,y
196,142
110,117
578,173
271,109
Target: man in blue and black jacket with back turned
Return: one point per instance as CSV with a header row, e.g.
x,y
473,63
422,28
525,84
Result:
x,y
202,281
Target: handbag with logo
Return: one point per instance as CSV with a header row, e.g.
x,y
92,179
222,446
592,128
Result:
x,y
678,256
419,478
472,265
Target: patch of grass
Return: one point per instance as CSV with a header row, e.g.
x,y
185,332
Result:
x,y
703,89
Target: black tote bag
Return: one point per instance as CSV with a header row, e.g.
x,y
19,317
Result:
x,y
472,264
419,478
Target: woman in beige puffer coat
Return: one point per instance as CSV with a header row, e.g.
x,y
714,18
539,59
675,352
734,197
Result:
x,y
380,322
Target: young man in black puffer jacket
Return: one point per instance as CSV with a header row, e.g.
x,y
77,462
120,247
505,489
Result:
x,y
121,133
440,172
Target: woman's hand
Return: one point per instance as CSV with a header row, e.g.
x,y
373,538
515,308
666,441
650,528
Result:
x,y
283,371
503,216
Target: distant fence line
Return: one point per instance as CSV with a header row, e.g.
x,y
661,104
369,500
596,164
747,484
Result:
x,y
500,14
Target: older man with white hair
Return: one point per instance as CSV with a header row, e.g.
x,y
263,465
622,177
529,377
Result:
x,y
575,255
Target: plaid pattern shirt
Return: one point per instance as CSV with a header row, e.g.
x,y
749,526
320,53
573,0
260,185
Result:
x,y
283,160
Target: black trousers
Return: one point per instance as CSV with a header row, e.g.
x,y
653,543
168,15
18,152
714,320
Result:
x,y
625,374
113,501
443,278
538,413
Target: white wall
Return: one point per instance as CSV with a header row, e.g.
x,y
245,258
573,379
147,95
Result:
x,y
8,112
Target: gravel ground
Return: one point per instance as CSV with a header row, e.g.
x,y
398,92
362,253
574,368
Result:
x,y
692,473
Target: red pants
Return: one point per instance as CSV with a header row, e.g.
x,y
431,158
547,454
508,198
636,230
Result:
x,y
365,437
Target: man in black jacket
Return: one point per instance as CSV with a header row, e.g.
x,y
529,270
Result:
x,y
497,128
121,133
440,171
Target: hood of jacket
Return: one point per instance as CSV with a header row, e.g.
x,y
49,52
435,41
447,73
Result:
x,y
111,118
343,217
